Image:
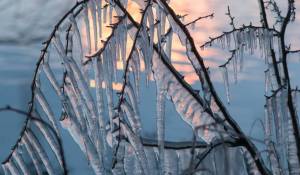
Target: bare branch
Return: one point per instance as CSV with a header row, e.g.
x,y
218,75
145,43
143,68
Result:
x,y
199,18
230,17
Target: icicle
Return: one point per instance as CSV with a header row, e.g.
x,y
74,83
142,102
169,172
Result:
x,y
119,166
267,82
69,46
275,165
159,25
184,159
73,70
226,83
113,59
5,169
222,42
51,78
206,90
46,108
275,115
138,148
135,60
50,139
240,58
190,107
99,15
268,139
235,68
76,103
77,35
152,160
272,81
228,40
132,97
252,40
250,164
293,161
144,54
111,12
92,6
169,44
295,99
150,17
131,165
160,125
87,28
194,61
105,13
283,105
59,46
12,168
33,155
281,117
119,46
144,45
118,49
83,142
41,152
131,116
171,162
108,86
100,106
268,119
123,44
20,162
163,22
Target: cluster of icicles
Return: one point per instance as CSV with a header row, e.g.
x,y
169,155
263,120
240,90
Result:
x,y
279,137
107,126
245,40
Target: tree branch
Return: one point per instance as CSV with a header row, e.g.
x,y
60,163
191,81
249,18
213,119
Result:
x,y
75,10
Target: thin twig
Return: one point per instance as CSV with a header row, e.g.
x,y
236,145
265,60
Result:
x,y
199,18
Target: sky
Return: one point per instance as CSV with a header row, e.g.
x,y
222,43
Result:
x,y
25,24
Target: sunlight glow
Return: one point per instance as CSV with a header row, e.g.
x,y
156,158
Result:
x,y
179,58
116,86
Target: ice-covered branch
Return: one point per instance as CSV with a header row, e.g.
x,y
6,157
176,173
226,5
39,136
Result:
x,y
275,9
111,36
73,11
294,144
240,29
44,126
251,148
107,128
